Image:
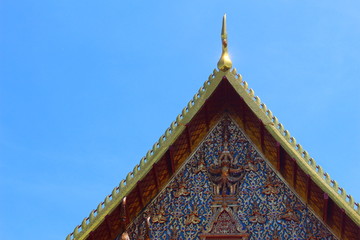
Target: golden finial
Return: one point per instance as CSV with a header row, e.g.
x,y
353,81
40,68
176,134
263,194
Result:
x,y
224,63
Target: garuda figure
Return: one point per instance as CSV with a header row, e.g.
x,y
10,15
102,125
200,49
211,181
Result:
x,y
225,175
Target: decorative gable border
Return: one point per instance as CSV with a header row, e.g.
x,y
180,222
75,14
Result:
x,y
272,125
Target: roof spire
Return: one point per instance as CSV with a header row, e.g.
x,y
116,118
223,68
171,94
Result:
x,y
224,63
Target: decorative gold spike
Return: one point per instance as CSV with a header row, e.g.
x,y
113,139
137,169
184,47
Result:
x,y
224,63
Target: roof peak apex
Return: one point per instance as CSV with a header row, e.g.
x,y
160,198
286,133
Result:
x,y
224,63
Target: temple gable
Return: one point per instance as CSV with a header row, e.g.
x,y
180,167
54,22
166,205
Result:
x,y
227,190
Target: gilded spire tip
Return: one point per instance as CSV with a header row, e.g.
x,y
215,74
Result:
x,y
224,63
223,28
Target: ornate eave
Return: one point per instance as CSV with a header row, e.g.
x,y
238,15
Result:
x,y
178,127
272,125
160,147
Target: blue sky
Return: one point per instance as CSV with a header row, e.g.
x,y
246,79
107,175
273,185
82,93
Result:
x,y
87,87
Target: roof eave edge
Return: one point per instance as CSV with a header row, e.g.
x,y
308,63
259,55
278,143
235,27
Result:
x,y
111,201
306,163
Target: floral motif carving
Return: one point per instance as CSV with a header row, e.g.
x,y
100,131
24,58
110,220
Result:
x,y
230,186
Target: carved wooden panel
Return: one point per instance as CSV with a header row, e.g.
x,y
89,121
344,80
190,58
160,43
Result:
x,y
227,190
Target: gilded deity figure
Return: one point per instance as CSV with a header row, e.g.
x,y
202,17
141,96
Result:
x,y
182,191
193,217
257,216
159,216
225,175
250,166
270,186
290,214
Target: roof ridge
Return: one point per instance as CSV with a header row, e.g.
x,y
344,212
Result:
x,y
271,122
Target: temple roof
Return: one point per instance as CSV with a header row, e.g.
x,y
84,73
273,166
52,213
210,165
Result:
x,y
270,122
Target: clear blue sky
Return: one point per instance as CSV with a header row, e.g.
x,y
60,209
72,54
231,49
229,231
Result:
x,y
87,87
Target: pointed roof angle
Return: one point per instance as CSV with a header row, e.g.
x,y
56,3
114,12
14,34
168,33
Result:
x,y
270,122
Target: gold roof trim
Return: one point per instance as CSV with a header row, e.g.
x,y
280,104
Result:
x,y
272,124
140,170
295,150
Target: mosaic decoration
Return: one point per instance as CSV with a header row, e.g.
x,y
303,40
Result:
x,y
227,189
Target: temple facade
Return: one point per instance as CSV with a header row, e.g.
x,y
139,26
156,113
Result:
x,y
227,190
225,169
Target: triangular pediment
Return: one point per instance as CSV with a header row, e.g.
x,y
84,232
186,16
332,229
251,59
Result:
x,y
223,93
226,187
270,180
